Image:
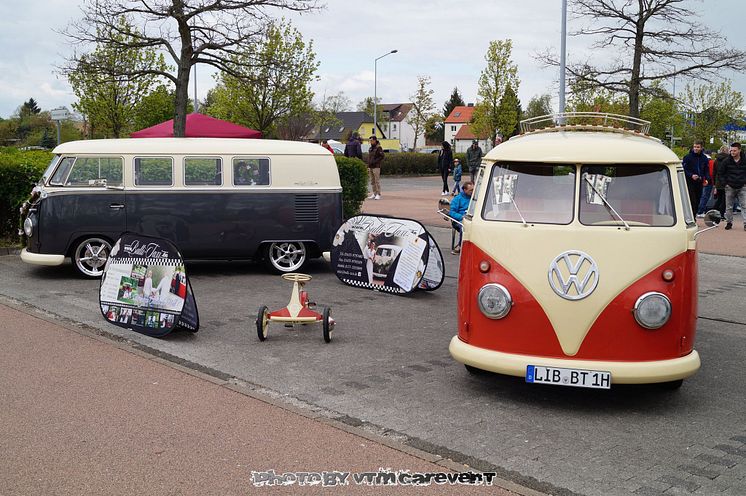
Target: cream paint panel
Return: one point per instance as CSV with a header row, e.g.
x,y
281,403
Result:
x,y
622,258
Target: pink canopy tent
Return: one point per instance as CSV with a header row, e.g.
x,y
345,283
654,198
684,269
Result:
x,y
198,126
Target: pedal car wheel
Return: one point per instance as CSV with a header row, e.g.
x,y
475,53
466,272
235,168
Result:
x,y
262,323
285,256
328,324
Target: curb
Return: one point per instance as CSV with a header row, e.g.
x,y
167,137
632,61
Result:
x,y
441,456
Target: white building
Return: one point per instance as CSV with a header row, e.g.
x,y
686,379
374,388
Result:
x,y
458,132
395,126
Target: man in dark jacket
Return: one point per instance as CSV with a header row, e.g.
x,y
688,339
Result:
x,y
474,158
375,157
352,148
697,172
732,172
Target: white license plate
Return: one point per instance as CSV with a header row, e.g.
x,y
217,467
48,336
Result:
x,y
568,377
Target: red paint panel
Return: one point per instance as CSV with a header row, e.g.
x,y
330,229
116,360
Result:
x,y
615,335
526,330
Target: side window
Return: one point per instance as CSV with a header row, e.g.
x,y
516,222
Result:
x,y
250,171
203,171
63,169
96,171
154,171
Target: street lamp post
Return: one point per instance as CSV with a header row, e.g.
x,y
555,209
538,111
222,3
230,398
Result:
x,y
563,54
375,91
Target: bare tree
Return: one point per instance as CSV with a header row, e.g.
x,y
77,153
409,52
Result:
x,y
652,40
211,32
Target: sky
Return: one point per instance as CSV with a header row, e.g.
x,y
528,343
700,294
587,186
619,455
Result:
x,y
443,39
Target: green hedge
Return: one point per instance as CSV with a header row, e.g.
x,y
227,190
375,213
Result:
x,y
353,174
414,164
19,172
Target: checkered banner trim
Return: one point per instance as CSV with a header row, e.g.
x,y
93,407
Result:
x,y
361,284
148,261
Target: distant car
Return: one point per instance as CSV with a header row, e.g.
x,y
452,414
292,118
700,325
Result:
x,y
429,149
337,150
391,150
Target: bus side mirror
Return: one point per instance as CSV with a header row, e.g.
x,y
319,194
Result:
x,y
712,218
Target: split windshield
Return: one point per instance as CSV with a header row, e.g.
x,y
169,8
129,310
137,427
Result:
x,y
616,195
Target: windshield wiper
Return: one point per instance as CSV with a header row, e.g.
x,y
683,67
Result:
x,y
606,202
525,224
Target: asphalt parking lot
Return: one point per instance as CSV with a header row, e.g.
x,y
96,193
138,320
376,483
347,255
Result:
x,y
388,371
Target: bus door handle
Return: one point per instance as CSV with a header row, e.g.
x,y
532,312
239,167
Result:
x,y
116,206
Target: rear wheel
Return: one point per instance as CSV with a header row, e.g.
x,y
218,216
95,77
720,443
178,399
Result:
x,y
285,256
262,323
90,255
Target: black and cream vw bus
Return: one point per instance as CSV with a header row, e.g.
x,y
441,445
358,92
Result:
x,y
216,199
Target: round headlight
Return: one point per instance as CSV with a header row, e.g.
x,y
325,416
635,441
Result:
x,y
652,310
28,226
494,301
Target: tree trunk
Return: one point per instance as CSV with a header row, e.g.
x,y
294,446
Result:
x,y
634,82
182,73
182,97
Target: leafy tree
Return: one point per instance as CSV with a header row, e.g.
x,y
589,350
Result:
x,y
48,140
649,41
587,97
538,105
156,107
434,129
30,107
454,101
107,94
366,105
211,32
422,106
711,107
663,112
499,74
272,83
509,113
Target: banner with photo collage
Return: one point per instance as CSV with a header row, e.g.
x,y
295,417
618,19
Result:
x,y
387,254
145,287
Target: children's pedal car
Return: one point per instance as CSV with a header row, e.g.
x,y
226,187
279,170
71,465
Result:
x,y
298,310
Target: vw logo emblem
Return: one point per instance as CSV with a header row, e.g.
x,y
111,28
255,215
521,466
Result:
x,y
573,275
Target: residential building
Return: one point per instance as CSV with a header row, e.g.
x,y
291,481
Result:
x,y
458,132
345,124
395,125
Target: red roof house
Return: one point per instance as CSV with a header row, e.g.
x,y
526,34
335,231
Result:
x,y
198,126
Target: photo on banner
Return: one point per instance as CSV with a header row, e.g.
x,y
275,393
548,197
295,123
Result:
x,y
435,269
383,253
145,287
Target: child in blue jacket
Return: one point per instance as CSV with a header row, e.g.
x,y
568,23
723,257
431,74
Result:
x,y
456,177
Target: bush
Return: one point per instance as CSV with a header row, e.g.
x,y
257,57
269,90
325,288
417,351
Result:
x,y
19,172
414,164
353,174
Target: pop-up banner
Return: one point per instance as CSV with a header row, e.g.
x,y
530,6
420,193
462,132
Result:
x,y
387,254
145,287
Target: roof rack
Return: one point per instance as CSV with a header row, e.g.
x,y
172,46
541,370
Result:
x,y
582,121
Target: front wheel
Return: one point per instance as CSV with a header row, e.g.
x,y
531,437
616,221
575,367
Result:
x,y
262,323
328,324
90,256
285,256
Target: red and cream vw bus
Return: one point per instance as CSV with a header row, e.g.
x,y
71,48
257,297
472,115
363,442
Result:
x,y
578,265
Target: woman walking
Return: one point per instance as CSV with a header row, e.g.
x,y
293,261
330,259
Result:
x,y
445,164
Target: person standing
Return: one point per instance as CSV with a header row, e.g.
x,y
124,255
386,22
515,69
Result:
x,y
457,172
732,172
707,187
353,148
445,163
697,173
474,156
717,180
375,157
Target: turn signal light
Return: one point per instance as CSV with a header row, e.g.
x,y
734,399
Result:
x,y
484,266
668,275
